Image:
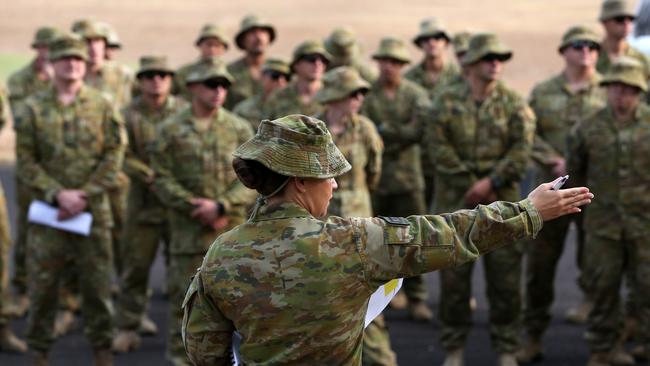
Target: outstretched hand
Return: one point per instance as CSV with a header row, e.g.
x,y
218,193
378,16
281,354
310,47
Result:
x,y
553,204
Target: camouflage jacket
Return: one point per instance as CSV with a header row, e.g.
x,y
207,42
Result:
x,y
400,121
115,81
244,86
418,75
468,142
287,101
191,163
179,86
366,71
141,124
253,109
558,109
296,287
613,160
24,83
362,147
79,146
603,63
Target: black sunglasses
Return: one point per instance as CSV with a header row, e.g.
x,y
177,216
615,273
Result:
x,y
580,45
276,75
623,18
358,92
312,58
153,74
437,37
491,57
216,83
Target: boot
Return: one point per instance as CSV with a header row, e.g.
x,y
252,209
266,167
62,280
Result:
x,y
620,357
455,358
579,314
20,305
531,351
599,359
63,323
399,302
38,358
9,342
126,341
420,311
147,326
639,353
507,359
103,357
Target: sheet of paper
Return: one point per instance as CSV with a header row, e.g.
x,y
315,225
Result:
x,y
381,298
44,214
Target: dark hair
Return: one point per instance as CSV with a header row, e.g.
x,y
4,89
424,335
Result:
x,y
255,175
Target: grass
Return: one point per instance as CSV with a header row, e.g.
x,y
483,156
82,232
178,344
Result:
x,y
9,63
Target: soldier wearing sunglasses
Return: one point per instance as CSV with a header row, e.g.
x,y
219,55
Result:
x,y
617,18
559,103
195,181
481,140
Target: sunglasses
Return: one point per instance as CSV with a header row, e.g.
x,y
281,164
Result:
x,y
359,92
276,75
491,57
623,19
437,37
580,45
153,74
216,83
313,58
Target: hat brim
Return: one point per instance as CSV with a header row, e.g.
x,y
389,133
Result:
x,y
613,15
325,55
634,82
568,42
392,57
57,55
325,96
292,160
420,37
473,57
226,45
239,38
155,69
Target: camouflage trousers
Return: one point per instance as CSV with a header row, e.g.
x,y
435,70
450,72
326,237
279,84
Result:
x,y
376,345
118,198
140,242
502,273
19,280
542,256
50,253
5,246
179,274
402,205
606,263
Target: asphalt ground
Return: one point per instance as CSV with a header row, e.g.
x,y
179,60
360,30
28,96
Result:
x,y
415,343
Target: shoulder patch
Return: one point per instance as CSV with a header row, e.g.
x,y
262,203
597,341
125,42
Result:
x,y
397,221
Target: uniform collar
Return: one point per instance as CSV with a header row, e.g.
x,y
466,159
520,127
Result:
x,y
284,210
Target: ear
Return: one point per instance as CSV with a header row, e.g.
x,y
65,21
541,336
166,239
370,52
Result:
x,y
301,184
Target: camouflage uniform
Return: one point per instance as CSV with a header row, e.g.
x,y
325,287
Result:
x,y
190,163
22,84
345,50
287,101
468,143
604,63
80,146
418,75
147,226
614,159
400,122
268,278
557,109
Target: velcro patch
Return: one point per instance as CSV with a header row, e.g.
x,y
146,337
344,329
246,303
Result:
x,y
398,221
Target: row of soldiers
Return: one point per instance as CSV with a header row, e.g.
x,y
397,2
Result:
x,y
80,134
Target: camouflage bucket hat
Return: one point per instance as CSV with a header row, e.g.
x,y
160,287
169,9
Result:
x,y
628,71
295,146
483,44
277,65
44,36
67,45
311,47
616,8
430,28
212,31
91,30
340,40
252,22
394,49
210,70
112,38
154,63
339,83
578,33
461,42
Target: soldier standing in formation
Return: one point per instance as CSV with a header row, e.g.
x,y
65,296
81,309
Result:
x,y
398,108
195,181
345,50
481,140
559,103
147,226
70,147
254,37
610,151
276,73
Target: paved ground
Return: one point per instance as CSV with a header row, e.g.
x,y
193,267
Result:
x,y
415,343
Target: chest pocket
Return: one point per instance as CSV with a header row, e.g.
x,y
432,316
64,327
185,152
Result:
x,y
90,132
397,230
